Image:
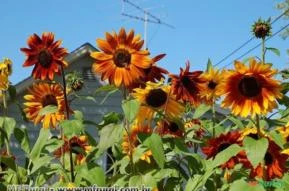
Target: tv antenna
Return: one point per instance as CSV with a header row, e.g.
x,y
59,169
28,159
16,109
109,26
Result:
x,y
148,18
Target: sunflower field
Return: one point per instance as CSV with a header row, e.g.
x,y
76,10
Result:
x,y
172,133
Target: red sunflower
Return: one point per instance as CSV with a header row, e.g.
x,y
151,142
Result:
x,y
45,54
172,128
274,164
218,144
187,85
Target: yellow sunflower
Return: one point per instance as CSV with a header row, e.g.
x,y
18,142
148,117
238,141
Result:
x,y
156,97
41,95
121,61
45,54
251,89
130,141
252,132
5,71
211,87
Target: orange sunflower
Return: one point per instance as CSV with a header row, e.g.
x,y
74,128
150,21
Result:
x,y
156,97
187,85
274,164
121,61
41,95
251,90
130,141
211,88
218,144
45,54
75,145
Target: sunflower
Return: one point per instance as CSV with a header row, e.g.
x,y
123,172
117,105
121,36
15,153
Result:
x,y
211,88
121,61
170,127
75,145
197,126
251,90
253,133
156,97
284,131
274,164
45,54
41,95
5,71
218,144
130,141
187,85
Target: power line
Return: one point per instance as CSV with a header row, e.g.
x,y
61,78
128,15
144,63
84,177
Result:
x,y
250,50
248,41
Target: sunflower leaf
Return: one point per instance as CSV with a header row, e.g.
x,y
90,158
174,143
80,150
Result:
x,y
274,50
154,143
130,109
209,65
241,185
201,110
40,143
48,110
255,149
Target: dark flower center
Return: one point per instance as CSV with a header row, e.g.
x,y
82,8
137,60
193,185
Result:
x,y
122,58
261,30
156,98
287,139
173,127
186,81
223,146
49,100
249,86
253,135
75,147
45,58
268,159
147,70
212,85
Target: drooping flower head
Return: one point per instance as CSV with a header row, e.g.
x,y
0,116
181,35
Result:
x,y
41,95
130,141
274,164
121,59
251,89
75,145
211,90
187,85
218,144
45,54
156,97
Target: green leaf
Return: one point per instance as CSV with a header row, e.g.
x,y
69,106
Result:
x,y
225,155
285,74
21,136
130,109
105,88
154,143
277,138
201,110
91,173
109,135
12,93
111,117
241,185
40,162
40,143
138,153
142,181
198,181
8,161
48,109
274,50
8,124
78,114
72,128
209,65
255,149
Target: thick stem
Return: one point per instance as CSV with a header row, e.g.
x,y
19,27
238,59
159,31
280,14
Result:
x,y
263,50
4,115
61,131
258,126
214,118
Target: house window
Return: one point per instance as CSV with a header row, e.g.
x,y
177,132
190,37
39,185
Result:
x,y
88,74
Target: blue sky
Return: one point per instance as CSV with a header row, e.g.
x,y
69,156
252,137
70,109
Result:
x,y
204,29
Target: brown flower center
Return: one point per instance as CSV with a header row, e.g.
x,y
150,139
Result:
x,y
212,85
45,58
249,86
261,30
122,58
173,127
49,100
223,146
268,159
253,135
156,98
187,81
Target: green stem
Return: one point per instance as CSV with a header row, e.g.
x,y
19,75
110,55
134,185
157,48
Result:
x,y
214,118
263,50
4,115
61,131
258,126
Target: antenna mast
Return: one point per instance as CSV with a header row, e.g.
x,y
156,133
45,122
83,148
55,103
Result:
x,y
148,18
